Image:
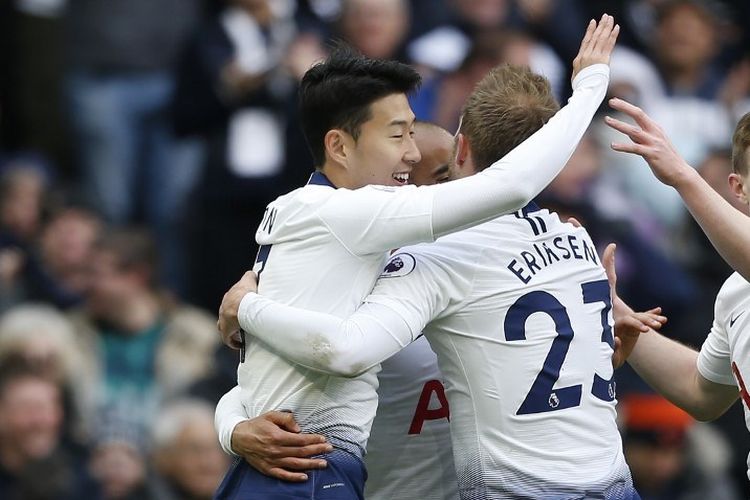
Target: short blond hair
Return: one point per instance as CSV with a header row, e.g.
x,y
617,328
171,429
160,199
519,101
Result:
x,y
506,107
740,146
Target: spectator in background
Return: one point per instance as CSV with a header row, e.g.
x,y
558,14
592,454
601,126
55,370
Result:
x,y
64,251
41,261
234,92
34,461
377,28
45,340
685,45
138,346
119,85
670,457
186,451
480,37
23,185
119,460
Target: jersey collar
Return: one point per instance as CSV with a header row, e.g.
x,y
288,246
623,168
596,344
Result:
x,y
319,179
530,207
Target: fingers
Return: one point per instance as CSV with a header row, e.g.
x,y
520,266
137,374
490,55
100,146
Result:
x,y
587,36
630,324
609,44
608,261
632,148
635,133
307,451
656,310
300,464
636,113
655,321
574,221
602,32
285,420
292,477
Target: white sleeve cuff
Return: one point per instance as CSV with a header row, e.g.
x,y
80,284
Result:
x,y
595,70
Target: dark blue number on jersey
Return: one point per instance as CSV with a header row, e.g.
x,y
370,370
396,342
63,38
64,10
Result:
x,y
543,397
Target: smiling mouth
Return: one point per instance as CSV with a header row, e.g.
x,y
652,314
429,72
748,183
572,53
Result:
x,y
401,177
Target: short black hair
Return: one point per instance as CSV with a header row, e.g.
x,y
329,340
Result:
x,y
338,92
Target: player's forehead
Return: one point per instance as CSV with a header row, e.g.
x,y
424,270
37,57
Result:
x,y
392,111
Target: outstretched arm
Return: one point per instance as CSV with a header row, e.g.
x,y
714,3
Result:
x,y
667,366
728,229
507,185
671,369
391,317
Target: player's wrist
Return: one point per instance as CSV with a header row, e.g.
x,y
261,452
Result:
x,y
684,177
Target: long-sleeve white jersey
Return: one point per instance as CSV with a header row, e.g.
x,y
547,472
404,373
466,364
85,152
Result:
x,y
725,355
322,249
518,312
409,454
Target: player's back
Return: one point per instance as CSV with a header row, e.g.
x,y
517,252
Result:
x,y
526,357
409,454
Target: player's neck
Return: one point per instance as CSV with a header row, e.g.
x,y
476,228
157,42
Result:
x,y
338,176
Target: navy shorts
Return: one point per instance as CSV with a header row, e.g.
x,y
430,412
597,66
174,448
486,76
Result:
x,y
343,479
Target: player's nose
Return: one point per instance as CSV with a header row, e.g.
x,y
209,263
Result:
x,y
412,154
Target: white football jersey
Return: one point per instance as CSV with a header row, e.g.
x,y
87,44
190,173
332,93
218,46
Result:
x,y
522,331
725,355
409,454
322,249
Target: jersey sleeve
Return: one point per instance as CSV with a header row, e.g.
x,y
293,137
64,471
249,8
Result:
x,y
229,412
406,297
714,360
378,219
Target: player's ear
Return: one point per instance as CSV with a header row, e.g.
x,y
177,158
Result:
x,y
737,186
462,149
337,143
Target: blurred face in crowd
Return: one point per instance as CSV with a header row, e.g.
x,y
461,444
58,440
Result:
x,y
119,468
31,417
436,146
574,180
110,283
385,151
66,246
375,27
21,203
194,462
685,39
259,9
654,465
483,13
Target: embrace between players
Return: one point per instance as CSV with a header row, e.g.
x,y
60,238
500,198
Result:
x,y
514,302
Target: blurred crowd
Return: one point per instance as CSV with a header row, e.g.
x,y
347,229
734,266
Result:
x,y
140,141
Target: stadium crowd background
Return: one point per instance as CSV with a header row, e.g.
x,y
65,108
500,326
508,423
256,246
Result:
x,y
140,141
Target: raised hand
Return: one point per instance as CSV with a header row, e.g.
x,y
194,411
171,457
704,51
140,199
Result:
x,y
597,44
649,142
